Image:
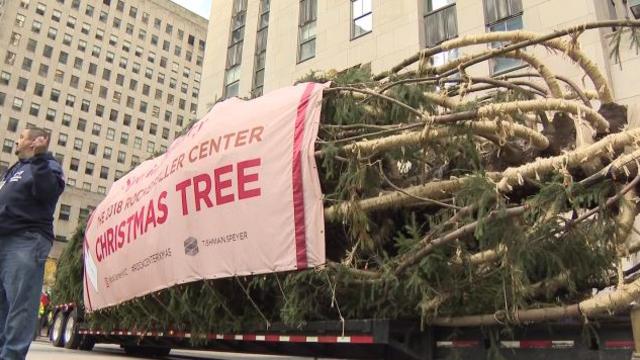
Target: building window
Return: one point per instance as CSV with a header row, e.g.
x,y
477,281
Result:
x,y
153,129
307,30
41,9
440,21
113,115
96,129
93,148
77,144
66,119
17,104
89,168
63,57
122,157
103,16
151,146
26,64
106,154
82,125
55,95
137,142
77,63
12,125
104,172
36,26
261,49
75,4
31,45
86,185
59,76
71,101
503,15
15,39
71,22
65,212
22,83
74,81
234,50
7,146
55,16
62,141
361,18
51,115
38,90
75,164
86,103
5,77
85,28
124,138
129,29
10,58
24,4
133,12
93,68
34,110
111,133
52,33
84,215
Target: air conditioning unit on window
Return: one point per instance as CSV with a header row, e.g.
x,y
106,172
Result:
x,y
634,5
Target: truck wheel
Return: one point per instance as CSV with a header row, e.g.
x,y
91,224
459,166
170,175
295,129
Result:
x,y
57,329
86,343
135,350
70,336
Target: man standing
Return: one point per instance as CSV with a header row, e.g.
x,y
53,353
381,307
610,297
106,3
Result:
x,y
29,191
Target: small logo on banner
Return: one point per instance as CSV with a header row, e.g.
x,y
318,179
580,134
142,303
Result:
x,y
191,246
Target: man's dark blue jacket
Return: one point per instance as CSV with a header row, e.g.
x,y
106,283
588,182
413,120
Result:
x,y
29,195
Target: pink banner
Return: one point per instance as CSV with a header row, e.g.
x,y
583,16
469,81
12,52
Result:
x,y
239,194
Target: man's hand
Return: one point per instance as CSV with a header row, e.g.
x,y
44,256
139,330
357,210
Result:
x,y
39,145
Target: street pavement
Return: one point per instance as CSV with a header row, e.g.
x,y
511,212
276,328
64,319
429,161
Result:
x,y
43,350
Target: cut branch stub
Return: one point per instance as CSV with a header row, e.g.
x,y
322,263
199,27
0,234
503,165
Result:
x,y
594,118
608,145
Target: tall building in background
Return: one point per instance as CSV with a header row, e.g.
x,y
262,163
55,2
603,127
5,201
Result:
x,y
113,80
271,44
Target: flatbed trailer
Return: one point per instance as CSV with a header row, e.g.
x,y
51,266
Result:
x,y
607,338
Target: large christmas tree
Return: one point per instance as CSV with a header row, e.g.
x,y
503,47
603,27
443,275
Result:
x,y
450,198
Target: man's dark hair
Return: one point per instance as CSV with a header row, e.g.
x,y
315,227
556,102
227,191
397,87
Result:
x,y
35,132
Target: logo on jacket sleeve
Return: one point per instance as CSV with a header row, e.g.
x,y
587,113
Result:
x,y
17,176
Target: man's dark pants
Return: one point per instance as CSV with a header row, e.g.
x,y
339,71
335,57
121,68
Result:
x,y
22,258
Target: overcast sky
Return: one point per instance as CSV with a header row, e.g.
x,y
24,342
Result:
x,y
201,7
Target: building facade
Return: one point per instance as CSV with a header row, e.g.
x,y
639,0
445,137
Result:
x,y
113,80
271,44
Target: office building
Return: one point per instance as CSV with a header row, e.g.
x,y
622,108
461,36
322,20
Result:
x,y
113,80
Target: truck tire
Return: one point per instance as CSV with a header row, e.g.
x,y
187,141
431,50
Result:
x,y
135,350
70,336
86,343
57,328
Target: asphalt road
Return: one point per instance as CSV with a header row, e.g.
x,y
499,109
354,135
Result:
x,y
41,350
